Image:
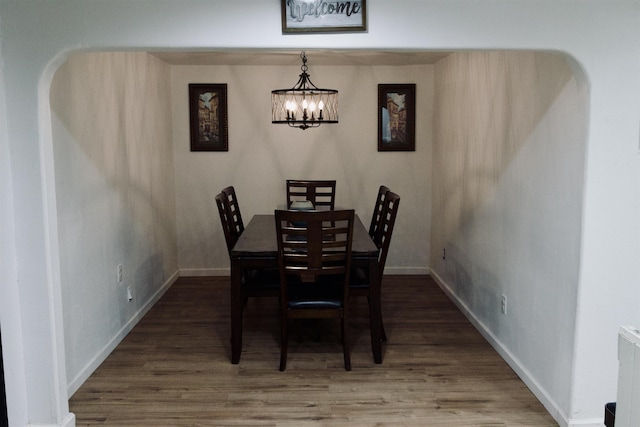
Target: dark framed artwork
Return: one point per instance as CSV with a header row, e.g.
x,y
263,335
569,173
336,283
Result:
x,y
397,117
317,16
208,117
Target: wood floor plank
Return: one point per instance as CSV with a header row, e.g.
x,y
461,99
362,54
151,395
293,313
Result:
x,y
174,368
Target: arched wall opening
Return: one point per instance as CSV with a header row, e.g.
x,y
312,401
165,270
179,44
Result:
x,y
496,180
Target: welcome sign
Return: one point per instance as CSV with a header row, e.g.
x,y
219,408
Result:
x,y
314,16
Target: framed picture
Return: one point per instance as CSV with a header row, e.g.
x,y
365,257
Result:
x,y
317,16
396,117
208,117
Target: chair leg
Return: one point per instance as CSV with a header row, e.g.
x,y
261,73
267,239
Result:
x,y
345,346
284,343
383,334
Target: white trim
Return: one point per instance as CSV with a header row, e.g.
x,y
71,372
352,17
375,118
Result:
x,y
94,363
51,242
409,271
203,272
69,421
392,271
590,422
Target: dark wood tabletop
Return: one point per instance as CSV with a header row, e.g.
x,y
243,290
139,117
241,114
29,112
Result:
x,y
259,239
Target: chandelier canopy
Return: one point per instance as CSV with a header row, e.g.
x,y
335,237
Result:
x,y
304,105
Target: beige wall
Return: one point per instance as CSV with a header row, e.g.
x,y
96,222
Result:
x,y
509,155
115,197
263,155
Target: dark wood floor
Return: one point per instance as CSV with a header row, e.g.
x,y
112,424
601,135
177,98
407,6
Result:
x,y
173,369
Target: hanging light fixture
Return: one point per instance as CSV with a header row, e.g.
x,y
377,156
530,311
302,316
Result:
x,y
304,105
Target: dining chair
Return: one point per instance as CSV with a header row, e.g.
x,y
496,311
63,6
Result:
x,y
255,282
377,214
360,281
314,260
321,193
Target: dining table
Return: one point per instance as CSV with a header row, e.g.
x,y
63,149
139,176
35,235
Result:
x,y
257,247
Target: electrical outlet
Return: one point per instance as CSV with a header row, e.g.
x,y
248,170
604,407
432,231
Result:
x,y
129,294
503,304
119,273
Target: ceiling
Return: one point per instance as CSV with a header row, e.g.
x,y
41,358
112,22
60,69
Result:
x,y
291,57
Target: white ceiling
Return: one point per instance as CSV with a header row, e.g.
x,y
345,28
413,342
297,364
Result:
x,y
290,57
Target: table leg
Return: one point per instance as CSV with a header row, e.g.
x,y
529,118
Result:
x,y
236,311
375,311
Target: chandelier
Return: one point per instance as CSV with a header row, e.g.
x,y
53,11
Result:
x,y
304,106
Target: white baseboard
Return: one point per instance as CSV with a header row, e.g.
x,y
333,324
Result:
x,y
591,422
201,272
550,405
68,421
409,271
90,368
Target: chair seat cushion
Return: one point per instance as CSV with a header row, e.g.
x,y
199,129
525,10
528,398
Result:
x,y
319,304
324,293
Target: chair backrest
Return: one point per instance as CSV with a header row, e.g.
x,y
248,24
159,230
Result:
x,y
234,209
388,220
321,193
230,216
314,243
377,215
229,235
